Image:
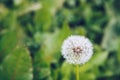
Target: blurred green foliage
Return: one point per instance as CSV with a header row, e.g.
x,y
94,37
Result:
x,y
32,32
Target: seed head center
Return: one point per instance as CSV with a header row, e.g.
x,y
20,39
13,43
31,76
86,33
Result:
x,y
77,50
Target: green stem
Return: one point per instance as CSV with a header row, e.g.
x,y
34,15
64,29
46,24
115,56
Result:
x,y
77,72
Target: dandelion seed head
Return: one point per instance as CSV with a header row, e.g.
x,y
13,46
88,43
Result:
x,y
77,49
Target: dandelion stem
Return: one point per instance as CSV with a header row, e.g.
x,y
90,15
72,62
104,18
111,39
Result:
x,y
77,72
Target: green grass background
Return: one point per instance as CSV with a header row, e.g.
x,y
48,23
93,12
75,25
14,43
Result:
x,y
32,32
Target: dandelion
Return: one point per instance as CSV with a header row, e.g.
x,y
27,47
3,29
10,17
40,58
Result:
x,y
77,50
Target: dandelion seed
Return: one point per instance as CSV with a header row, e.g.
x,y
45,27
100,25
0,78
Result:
x,y
77,49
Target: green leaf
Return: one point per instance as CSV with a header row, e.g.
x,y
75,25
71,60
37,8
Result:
x,y
7,43
80,30
3,11
99,58
87,76
111,36
11,20
67,70
52,44
43,19
118,53
44,73
17,66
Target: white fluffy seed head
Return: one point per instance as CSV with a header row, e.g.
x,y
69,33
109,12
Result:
x,y
77,49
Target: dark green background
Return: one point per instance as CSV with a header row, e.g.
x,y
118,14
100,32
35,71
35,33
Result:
x,y
32,32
